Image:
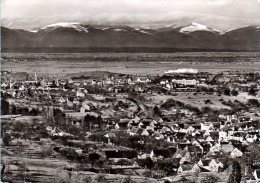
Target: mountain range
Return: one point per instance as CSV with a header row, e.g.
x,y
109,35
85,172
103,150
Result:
x,y
75,35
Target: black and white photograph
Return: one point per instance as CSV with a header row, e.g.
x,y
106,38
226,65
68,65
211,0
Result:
x,y
130,91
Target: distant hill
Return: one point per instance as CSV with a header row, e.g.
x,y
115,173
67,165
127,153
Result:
x,y
74,36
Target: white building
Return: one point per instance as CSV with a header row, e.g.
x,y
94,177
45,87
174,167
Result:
x,y
185,82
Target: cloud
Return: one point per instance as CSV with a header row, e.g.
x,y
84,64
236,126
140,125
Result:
x,y
224,13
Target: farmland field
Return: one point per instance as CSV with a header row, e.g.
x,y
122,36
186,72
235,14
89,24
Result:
x,y
129,63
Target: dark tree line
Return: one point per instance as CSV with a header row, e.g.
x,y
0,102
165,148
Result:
x,y
235,175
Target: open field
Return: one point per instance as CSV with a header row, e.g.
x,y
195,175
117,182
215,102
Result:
x,y
129,63
198,99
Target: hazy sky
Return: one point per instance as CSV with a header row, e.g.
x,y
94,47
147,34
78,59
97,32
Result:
x,y
218,14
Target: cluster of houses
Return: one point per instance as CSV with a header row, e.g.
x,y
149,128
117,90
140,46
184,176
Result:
x,y
204,147
195,146
61,91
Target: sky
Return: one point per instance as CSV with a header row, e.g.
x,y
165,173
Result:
x,y
218,14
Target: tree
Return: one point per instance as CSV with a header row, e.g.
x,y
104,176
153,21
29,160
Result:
x,y
166,166
227,91
4,107
167,181
3,170
34,112
253,102
252,90
253,155
234,92
206,110
211,91
88,180
128,180
90,121
123,162
93,158
53,85
101,179
208,101
235,175
58,115
157,111
219,91
148,163
6,139
210,179
184,180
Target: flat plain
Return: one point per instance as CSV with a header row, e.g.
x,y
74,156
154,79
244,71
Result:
x,y
130,63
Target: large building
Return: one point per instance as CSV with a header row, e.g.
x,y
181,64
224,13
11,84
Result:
x,y
185,82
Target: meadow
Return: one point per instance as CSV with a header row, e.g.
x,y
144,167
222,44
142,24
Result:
x,y
129,63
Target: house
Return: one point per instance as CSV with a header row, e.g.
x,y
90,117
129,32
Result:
x,y
142,132
84,108
22,88
215,148
117,127
190,129
186,157
195,151
80,94
61,100
164,82
76,101
183,143
221,162
69,102
108,81
214,135
227,148
129,81
158,136
236,153
195,142
4,85
223,136
110,135
139,89
206,127
209,164
140,125
150,129
231,118
129,154
185,82
188,168
209,139
143,80
144,155
152,154
165,152
123,123
251,138
136,119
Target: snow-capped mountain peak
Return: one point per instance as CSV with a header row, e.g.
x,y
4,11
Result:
x,y
144,30
62,24
76,26
120,30
196,27
105,28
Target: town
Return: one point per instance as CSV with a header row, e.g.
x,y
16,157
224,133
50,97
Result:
x,y
181,126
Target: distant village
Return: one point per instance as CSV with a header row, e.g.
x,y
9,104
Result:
x,y
173,127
